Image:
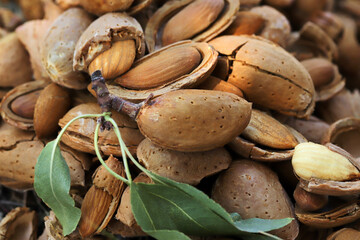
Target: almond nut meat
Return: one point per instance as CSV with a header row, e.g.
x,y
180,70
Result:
x,y
102,199
55,99
266,139
18,105
148,73
18,156
327,170
253,190
268,75
193,120
217,16
214,83
58,48
110,44
184,167
80,134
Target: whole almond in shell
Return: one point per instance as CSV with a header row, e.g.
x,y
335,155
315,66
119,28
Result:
x,y
268,75
194,120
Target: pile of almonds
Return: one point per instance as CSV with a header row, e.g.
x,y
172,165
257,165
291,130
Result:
x,y
255,102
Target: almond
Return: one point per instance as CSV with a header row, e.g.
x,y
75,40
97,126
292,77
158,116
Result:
x,y
162,68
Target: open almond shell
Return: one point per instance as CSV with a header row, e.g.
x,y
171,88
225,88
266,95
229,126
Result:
x,y
332,187
250,147
153,31
195,77
338,216
7,113
346,134
102,33
19,224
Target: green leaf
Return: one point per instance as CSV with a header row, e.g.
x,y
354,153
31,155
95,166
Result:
x,y
256,225
52,184
169,205
195,193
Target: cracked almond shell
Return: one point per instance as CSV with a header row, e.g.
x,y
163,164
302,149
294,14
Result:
x,y
102,33
345,133
192,120
268,75
58,48
80,134
153,31
189,80
266,139
26,95
19,224
18,156
341,215
183,167
328,170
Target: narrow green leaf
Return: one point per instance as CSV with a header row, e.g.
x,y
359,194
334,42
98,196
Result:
x,y
52,184
261,225
194,193
162,207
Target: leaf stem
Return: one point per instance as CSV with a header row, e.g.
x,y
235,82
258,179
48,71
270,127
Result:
x,y
76,118
122,146
96,137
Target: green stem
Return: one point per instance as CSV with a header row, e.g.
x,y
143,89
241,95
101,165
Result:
x,y
96,137
57,140
122,146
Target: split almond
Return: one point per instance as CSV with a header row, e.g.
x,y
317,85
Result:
x,y
101,201
163,68
194,18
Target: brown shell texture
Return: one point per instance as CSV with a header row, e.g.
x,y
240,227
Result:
x,y
99,36
18,156
268,75
61,38
80,134
183,167
253,190
15,66
194,120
